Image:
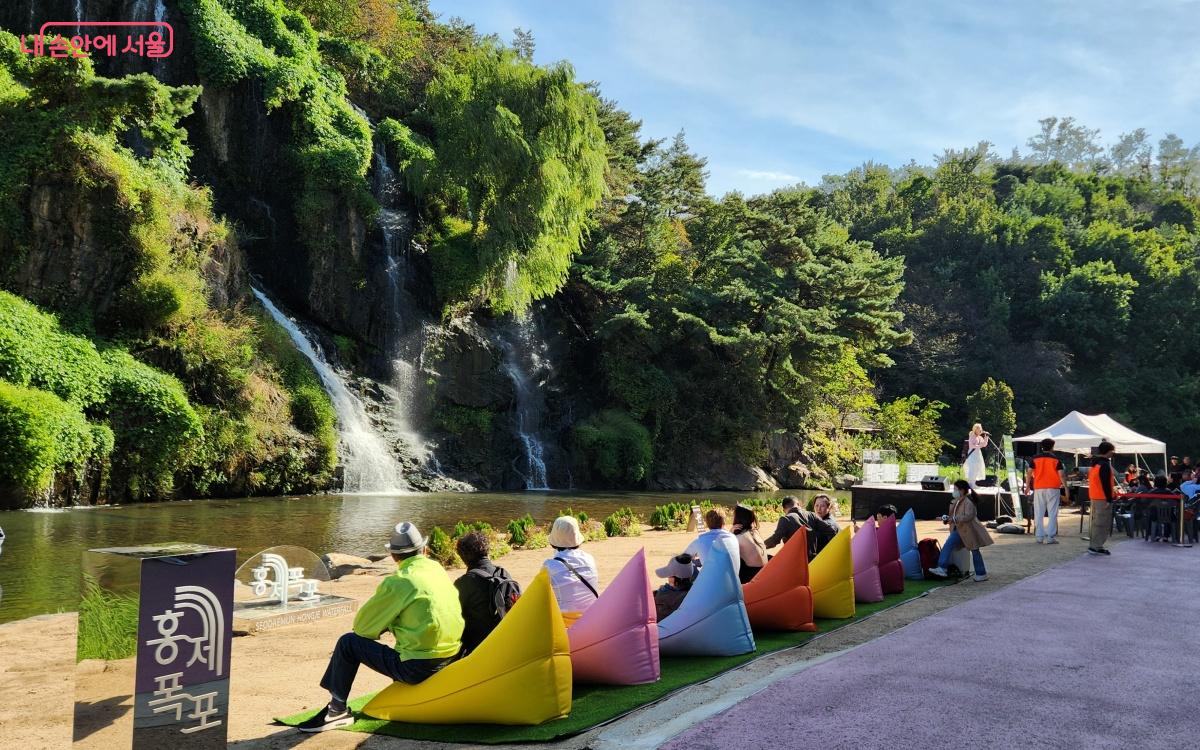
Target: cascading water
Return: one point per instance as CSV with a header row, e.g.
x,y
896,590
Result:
x,y
395,226
369,464
526,363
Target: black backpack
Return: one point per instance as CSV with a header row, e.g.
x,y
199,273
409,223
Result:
x,y
505,590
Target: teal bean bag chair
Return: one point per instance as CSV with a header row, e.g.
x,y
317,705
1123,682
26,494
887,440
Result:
x,y
910,558
712,619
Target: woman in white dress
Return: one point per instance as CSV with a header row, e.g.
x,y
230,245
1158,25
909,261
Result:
x,y
974,468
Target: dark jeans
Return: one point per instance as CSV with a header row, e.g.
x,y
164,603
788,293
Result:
x,y
352,650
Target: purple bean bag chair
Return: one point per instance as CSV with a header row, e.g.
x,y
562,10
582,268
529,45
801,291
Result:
x,y
712,619
891,570
864,549
910,558
615,642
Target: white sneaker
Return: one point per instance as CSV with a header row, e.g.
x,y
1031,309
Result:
x,y
981,577
1040,540
939,572
1051,540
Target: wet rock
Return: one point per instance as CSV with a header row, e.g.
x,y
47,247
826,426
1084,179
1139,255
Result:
x,y
341,564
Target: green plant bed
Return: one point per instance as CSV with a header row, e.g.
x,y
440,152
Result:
x,y
593,705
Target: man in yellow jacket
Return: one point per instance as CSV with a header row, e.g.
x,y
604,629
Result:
x,y
419,605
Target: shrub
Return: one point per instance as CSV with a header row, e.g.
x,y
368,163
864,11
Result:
x,y
155,427
623,522
674,516
35,352
616,446
581,516
440,548
518,530
765,509
40,434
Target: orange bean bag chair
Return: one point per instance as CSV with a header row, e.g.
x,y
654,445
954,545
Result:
x,y
779,597
891,570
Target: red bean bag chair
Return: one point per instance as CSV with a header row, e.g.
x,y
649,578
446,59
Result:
x,y
891,570
779,597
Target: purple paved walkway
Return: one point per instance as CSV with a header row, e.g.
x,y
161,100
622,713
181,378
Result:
x,y
1108,656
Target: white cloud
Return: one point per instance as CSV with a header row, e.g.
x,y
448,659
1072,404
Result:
x,y
767,175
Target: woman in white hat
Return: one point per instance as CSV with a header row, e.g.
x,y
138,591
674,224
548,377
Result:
x,y
572,571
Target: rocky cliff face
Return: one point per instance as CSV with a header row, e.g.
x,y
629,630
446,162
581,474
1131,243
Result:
x,y
456,389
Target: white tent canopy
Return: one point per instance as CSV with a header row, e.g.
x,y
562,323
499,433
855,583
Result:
x,y
1079,433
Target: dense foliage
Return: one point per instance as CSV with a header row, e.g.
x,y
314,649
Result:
x,y
1073,281
136,374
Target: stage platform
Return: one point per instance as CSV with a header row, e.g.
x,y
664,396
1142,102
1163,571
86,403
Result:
x,y
926,504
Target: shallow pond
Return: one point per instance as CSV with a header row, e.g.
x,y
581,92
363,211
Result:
x,y
40,562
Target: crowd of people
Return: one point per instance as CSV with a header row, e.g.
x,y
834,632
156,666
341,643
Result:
x,y
435,620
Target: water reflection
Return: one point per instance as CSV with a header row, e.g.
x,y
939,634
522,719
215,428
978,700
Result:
x,y
39,570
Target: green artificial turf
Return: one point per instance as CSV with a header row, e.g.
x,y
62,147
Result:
x,y
592,705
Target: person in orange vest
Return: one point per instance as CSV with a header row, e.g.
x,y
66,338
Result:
x,y
1102,488
1048,479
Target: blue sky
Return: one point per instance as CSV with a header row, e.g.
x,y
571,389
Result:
x,y
774,93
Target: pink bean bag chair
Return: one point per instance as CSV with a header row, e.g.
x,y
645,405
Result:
x,y
864,548
615,641
891,570
910,557
712,619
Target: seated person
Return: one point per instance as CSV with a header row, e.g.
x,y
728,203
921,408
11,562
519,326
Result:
x,y
572,571
884,511
822,525
485,591
750,545
419,605
701,546
788,524
680,572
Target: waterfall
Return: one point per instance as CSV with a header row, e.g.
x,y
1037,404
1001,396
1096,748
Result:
x,y
369,464
395,226
526,363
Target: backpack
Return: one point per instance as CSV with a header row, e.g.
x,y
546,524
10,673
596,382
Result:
x,y
505,590
930,550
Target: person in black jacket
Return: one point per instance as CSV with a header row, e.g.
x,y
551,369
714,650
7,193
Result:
x,y
821,525
788,524
477,591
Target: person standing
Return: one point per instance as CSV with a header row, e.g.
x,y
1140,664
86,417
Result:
x,y
974,468
1048,479
1102,487
965,531
419,605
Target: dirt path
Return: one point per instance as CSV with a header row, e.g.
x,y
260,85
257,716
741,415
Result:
x,y
276,672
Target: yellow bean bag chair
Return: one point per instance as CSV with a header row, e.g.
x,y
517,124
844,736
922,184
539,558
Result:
x,y
520,674
831,577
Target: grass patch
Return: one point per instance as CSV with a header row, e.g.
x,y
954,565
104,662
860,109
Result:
x,y
108,623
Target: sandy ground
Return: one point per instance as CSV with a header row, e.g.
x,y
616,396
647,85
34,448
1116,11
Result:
x,y
276,672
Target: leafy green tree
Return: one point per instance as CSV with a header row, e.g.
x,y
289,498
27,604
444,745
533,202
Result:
x,y
910,427
992,406
520,157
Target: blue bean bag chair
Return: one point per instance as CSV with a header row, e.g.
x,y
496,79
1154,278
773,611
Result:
x,y
712,619
910,558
